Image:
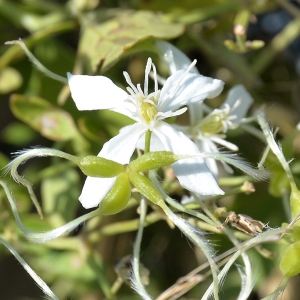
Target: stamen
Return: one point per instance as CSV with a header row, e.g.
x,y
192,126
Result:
x,y
155,78
147,72
128,80
130,90
140,89
191,66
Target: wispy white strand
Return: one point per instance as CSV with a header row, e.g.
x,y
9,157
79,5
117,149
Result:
x,y
247,282
278,291
135,278
274,146
246,278
36,63
41,237
267,236
239,163
175,204
194,235
41,284
22,157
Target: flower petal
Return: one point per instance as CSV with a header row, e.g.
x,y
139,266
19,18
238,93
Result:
x,y
192,173
183,89
236,93
196,112
174,58
120,149
95,92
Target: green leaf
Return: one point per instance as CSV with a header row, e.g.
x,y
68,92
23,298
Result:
x,y
60,193
17,133
10,80
290,261
106,43
52,122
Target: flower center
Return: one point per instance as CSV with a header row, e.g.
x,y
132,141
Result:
x,y
148,109
218,121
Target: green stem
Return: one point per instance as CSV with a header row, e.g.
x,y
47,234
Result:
x,y
16,52
147,141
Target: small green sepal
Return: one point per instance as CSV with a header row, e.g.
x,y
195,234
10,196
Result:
x,y
144,186
118,197
153,160
95,166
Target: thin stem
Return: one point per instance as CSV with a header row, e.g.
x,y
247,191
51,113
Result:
x,y
275,148
148,141
28,154
136,280
41,237
37,63
41,284
268,236
278,291
247,286
195,236
177,205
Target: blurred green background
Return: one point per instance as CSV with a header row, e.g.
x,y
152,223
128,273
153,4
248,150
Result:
x,y
108,37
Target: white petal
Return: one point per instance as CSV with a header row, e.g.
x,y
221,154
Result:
x,y
120,149
174,58
95,92
239,92
193,88
192,173
207,145
196,112
94,190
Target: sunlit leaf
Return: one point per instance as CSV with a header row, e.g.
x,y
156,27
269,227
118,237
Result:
x,y
52,122
104,44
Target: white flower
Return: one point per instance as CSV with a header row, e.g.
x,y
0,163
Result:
x,y
208,127
148,110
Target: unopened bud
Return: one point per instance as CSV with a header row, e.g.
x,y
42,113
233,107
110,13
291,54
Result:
x,y
118,196
95,166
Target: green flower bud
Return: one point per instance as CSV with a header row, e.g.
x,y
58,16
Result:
x,y
153,160
95,166
144,186
118,197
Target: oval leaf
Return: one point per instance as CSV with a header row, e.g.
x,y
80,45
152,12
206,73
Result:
x,y
52,122
104,44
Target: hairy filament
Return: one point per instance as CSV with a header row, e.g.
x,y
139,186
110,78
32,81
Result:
x,y
22,157
39,281
135,278
196,237
267,236
41,237
37,63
